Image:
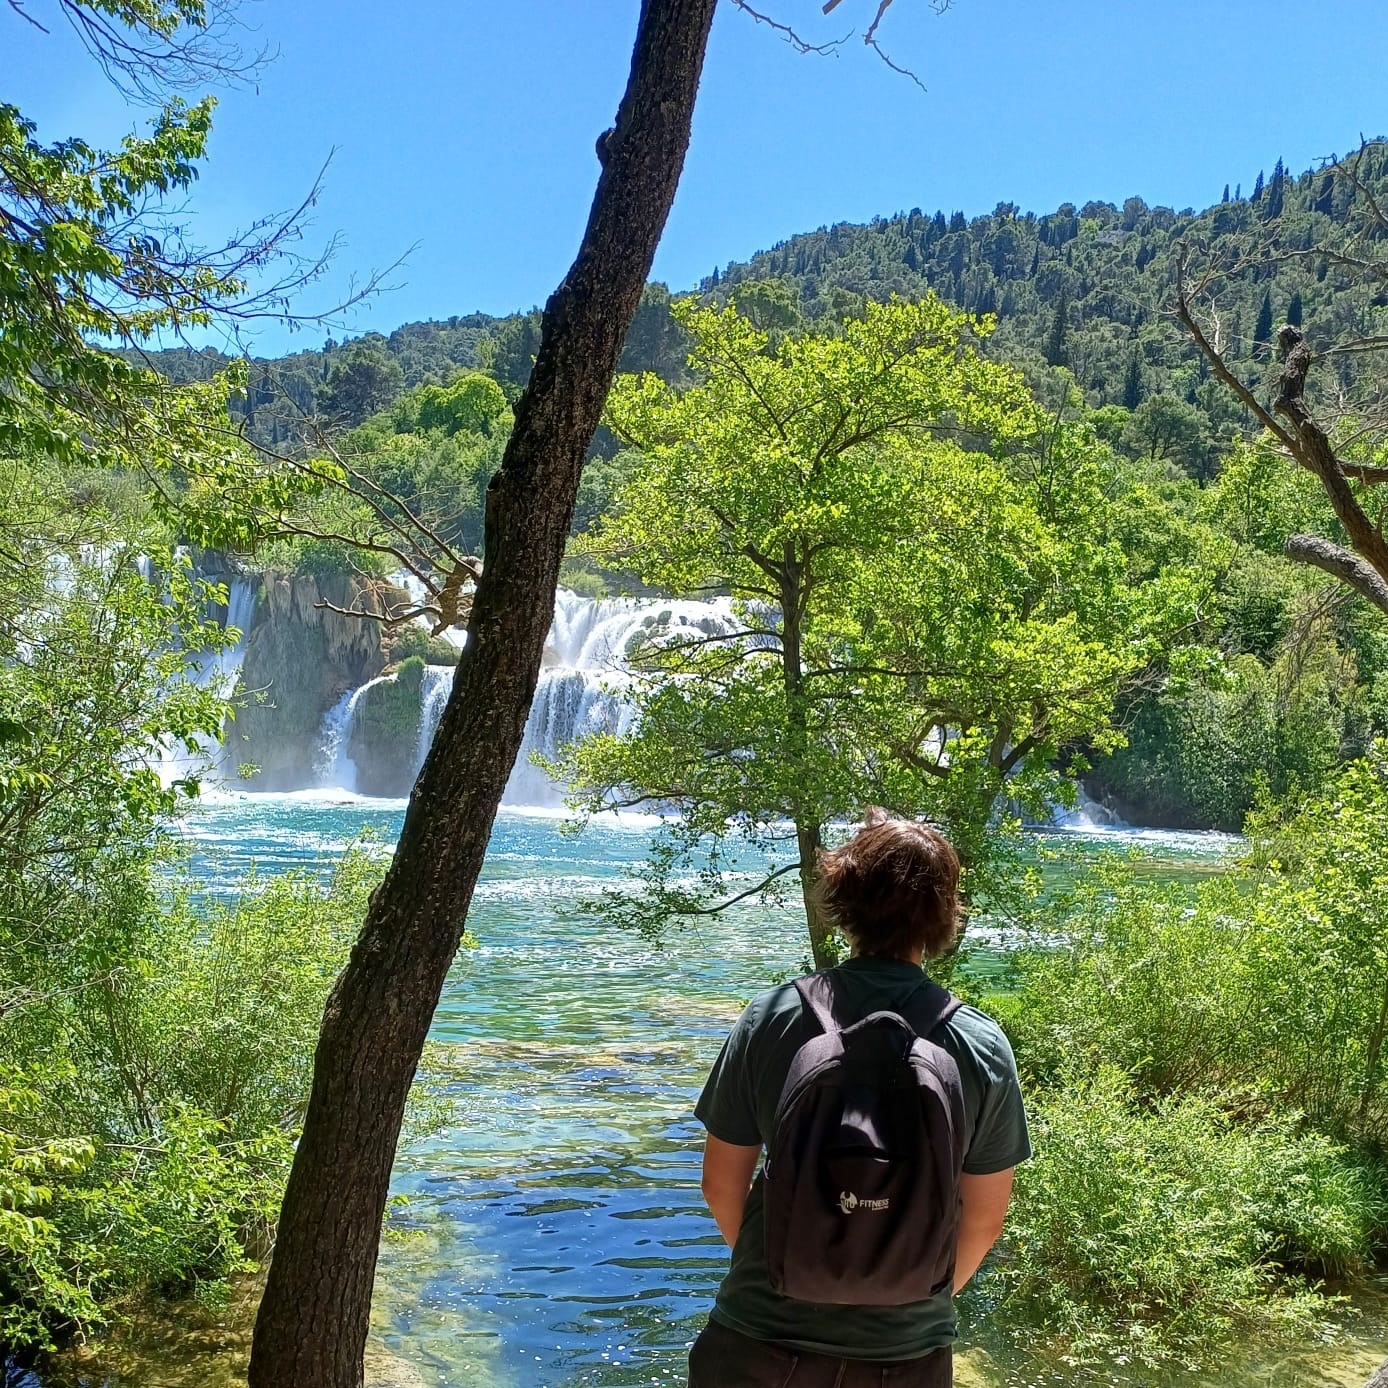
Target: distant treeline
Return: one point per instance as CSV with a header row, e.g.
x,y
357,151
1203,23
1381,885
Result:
x,y
1088,288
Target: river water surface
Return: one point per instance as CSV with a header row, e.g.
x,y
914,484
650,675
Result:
x,y
553,1232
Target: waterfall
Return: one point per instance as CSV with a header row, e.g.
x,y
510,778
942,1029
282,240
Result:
x,y
581,691
223,668
332,760
1088,813
433,695
586,673
219,670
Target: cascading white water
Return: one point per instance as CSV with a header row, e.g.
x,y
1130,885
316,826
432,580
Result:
x,y
1088,813
218,670
581,690
586,673
332,761
434,690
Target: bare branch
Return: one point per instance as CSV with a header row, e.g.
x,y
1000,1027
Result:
x,y
787,33
741,896
1216,359
1311,448
1339,563
891,63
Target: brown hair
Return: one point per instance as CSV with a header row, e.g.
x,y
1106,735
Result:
x,y
893,888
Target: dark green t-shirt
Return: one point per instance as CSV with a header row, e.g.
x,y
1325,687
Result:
x,y
738,1105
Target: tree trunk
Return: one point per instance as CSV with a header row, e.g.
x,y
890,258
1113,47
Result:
x,y
1380,1378
808,830
312,1327
820,926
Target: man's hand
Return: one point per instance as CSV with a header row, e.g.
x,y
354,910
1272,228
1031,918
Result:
x,y
727,1180
983,1205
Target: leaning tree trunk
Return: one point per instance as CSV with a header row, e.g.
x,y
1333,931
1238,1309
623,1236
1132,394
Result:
x,y
312,1326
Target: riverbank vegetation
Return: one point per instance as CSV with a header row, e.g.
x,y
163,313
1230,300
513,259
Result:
x,y
1212,1102
992,530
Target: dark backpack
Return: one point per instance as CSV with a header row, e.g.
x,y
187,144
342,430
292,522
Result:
x,y
861,1183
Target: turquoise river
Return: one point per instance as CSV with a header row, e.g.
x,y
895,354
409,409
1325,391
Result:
x,y
552,1233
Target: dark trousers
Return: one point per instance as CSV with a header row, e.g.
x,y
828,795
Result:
x,y
722,1358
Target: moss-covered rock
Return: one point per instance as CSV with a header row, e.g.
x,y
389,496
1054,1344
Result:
x,y
384,736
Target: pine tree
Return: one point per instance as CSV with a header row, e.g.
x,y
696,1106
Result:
x,y
1035,259
1132,383
1258,188
1238,192
1225,198
1294,310
1056,354
1262,329
1276,192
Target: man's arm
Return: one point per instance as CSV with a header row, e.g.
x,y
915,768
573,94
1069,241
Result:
x,y
727,1180
983,1205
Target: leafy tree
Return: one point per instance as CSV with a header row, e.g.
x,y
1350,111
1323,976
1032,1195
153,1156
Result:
x,y
363,380
473,403
1165,429
920,623
1262,328
773,306
1276,193
1132,383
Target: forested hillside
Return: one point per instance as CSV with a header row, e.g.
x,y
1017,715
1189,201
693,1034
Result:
x,y
1089,288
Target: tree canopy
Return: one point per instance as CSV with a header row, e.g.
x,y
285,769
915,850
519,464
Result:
x,y
929,590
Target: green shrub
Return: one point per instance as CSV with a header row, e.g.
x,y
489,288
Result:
x,y
1157,1232
414,640
390,710
332,559
1271,979
147,1122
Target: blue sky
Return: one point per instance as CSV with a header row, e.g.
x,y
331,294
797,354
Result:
x,y
466,129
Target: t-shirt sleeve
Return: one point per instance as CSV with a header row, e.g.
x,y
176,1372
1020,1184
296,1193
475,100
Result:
x,y
1000,1137
727,1107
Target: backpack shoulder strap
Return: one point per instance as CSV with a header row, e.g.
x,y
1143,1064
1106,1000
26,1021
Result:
x,y
817,993
929,1007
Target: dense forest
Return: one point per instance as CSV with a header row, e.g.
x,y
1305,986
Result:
x,y
1089,289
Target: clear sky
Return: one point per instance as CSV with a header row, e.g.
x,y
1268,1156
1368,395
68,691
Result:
x,y
465,129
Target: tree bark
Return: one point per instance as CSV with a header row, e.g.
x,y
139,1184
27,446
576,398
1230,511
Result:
x,y
1313,450
312,1327
808,829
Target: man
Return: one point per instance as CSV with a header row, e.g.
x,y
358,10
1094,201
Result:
x,y
893,892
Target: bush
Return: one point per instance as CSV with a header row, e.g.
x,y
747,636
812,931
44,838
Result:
x,y
148,1117
1158,1231
1211,1107
333,559
1271,979
415,640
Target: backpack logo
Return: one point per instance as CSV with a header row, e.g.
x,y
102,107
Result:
x,y
848,1202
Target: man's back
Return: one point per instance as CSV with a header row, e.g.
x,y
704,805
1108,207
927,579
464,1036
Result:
x,y
738,1107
